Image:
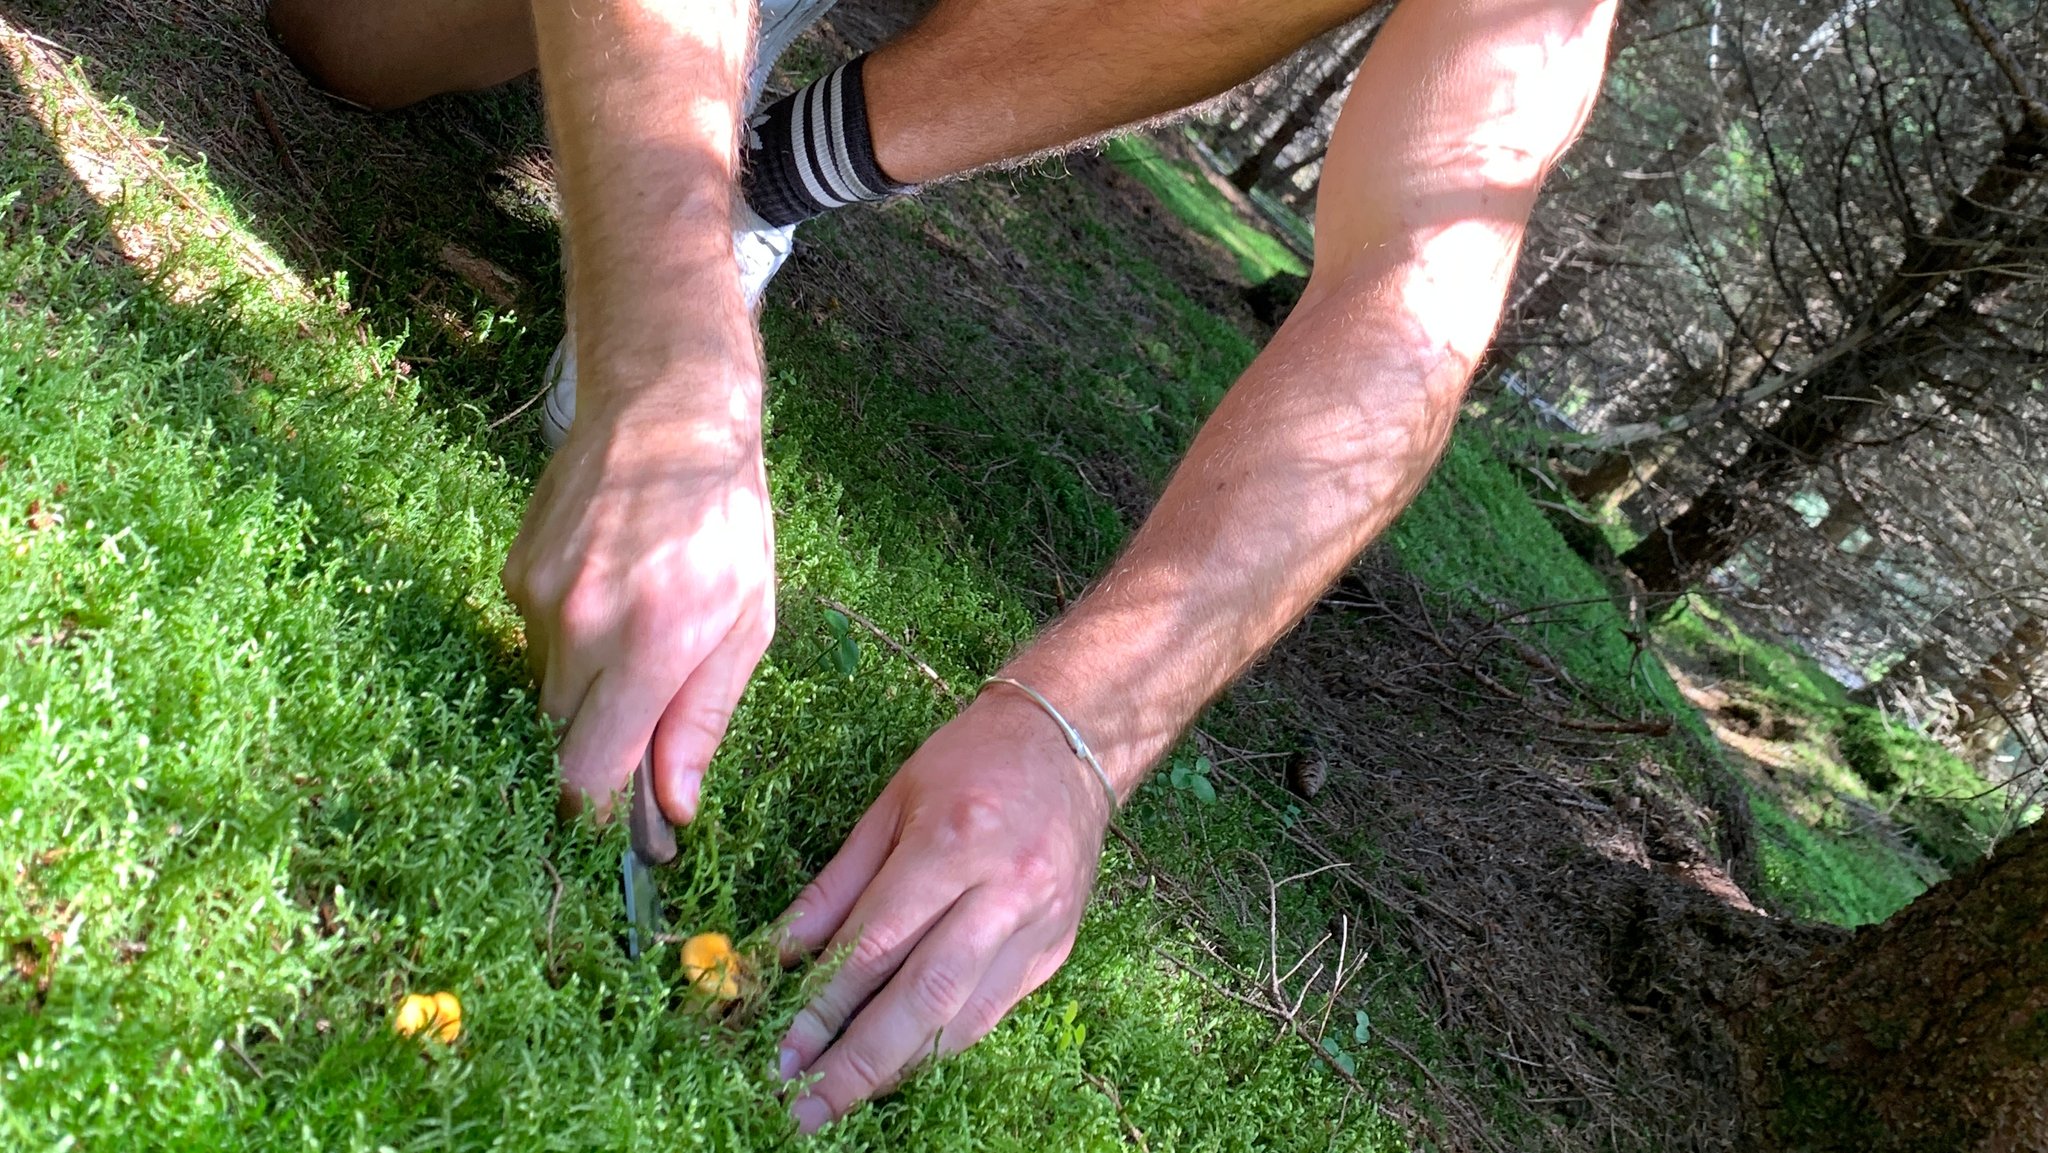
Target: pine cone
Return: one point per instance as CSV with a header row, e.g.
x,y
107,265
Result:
x,y
1306,773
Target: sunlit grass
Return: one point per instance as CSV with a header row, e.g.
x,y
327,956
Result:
x,y
1188,194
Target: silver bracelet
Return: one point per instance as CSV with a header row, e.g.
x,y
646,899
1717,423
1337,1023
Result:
x,y
1068,731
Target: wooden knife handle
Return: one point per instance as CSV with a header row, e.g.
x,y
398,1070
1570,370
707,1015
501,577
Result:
x,y
654,839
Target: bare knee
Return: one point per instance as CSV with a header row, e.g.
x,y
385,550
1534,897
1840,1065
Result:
x,y
385,54
326,40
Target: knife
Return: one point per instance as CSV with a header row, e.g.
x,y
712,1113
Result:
x,y
653,844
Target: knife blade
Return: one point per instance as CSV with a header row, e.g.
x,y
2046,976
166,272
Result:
x,y
652,844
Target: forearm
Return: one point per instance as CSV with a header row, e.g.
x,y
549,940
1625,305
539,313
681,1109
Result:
x,y
1456,117
644,101
1309,458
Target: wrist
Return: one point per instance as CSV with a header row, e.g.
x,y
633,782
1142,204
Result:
x,y
661,328
1010,713
1098,709
702,421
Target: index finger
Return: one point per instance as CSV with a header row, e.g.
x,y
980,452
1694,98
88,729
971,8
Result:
x,y
822,907
607,738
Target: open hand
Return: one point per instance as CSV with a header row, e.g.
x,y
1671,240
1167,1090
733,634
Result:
x,y
645,572
958,893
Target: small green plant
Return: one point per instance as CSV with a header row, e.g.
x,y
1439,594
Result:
x,y
844,651
1344,1056
1191,776
1066,1030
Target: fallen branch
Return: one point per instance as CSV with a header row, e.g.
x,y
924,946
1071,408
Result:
x,y
277,138
1116,1101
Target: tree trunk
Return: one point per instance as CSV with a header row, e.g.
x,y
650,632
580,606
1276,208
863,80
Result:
x,y
1284,175
1718,521
1961,250
1926,1034
1996,689
1301,117
1601,479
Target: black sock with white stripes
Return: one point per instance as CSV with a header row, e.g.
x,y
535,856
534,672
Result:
x,y
812,152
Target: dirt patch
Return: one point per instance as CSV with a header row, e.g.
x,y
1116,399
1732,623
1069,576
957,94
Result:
x,y
1577,926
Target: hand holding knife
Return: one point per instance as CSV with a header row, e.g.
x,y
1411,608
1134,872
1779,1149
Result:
x,y
653,845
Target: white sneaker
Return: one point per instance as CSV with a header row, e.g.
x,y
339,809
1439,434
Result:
x,y
760,248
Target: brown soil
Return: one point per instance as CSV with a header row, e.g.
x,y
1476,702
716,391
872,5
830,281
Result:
x,y
1594,936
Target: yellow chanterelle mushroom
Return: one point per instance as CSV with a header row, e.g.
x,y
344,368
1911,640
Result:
x,y
712,965
438,1015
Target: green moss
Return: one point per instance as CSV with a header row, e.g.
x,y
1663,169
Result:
x,y
1475,534
1843,757
1867,749
1696,628
267,756
1830,872
1189,195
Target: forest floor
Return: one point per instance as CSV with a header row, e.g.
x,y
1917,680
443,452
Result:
x,y
1472,878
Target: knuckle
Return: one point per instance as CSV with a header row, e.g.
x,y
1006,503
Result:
x,y
972,817
863,1075
704,723
936,993
976,1019
811,1027
1036,873
869,958
584,610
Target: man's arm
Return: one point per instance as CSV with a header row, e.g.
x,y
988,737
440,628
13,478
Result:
x,y
1454,121
644,568
961,888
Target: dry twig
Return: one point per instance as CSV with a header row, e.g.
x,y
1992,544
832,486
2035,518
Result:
x,y
896,647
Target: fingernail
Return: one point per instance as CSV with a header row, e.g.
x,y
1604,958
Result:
x,y
785,1065
692,793
811,1114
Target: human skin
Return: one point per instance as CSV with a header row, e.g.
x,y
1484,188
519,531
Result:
x,y
644,568
644,627
962,887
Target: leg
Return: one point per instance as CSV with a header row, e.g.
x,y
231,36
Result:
x,y
978,82
387,54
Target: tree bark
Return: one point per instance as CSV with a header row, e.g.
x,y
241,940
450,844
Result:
x,y
1719,520
1300,118
1926,1034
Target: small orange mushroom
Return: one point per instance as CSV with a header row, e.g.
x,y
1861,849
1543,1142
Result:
x,y
712,966
439,1015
